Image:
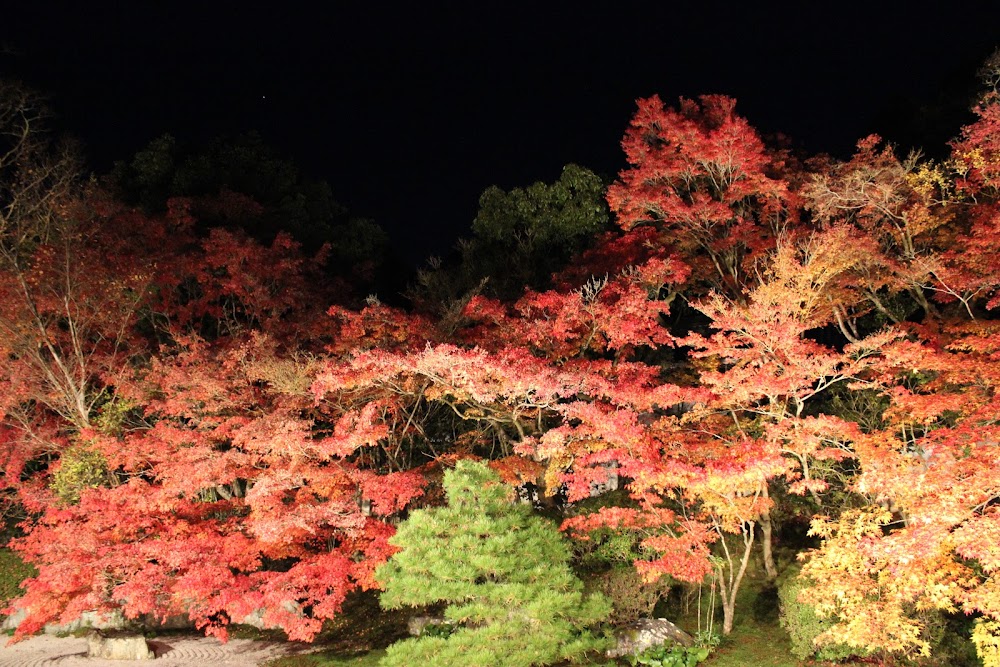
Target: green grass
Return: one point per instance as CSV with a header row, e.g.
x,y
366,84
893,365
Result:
x,y
329,658
754,643
757,639
12,572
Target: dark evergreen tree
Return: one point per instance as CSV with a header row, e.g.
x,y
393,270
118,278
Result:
x,y
519,239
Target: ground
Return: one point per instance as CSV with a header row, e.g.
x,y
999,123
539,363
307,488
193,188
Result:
x,y
171,651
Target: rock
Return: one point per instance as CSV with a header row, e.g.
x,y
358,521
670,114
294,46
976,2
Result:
x,y
88,619
646,633
11,622
256,617
172,622
113,620
117,647
416,624
610,482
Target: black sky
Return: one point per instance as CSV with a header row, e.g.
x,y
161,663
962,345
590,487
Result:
x,y
411,110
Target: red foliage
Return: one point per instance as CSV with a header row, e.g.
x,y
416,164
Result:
x,y
700,174
255,442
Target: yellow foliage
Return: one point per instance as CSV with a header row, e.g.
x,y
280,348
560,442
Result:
x,y
973,158
854,586
928,180
80,468
112,415
292,376
986,637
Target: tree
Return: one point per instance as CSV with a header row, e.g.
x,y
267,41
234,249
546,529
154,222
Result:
x,y
207,436
923,539
520,238
896,210
286,202
700,174
218,446
922,536
504,574
48,321
137,353
537,229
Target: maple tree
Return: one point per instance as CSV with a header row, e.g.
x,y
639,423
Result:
x,y
715,466
49,321
881,231
154,427
199,423
204,481
923,536
700,174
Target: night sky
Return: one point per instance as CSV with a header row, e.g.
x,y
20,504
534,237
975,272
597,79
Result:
x,y
411,112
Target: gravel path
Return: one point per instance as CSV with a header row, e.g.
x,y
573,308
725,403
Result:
x,y
180,651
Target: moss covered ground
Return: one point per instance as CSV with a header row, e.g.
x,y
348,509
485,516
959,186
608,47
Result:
x,y
757,639
12,572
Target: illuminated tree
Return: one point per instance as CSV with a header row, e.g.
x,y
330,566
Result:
x,y
504,574
699,175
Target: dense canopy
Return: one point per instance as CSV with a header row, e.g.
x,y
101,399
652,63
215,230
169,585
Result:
x,y
199,421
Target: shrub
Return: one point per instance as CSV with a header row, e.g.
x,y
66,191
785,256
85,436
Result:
x,y
601,549
802,623
631,598
949,638
79,468
671,656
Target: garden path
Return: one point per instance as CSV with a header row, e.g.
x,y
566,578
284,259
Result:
x,y
171,651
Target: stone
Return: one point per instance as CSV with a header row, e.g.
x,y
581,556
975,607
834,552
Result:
x,y
172,622
610,482
646,633
11,622
88,619
113,620
256,618
416,624
117,646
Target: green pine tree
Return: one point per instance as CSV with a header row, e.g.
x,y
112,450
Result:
x,y
504,574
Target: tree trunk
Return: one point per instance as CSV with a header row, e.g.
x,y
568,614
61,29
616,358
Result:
x,y
765,530
728,610
730,575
